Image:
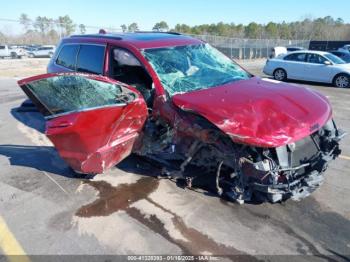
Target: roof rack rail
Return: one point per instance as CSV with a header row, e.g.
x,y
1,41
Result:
x,y
108,36
160,32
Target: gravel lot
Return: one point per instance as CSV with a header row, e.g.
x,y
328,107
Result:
x,y
49,210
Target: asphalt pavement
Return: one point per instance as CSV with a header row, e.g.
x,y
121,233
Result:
x,y
46,209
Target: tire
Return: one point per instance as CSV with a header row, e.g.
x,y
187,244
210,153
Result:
x,y
280,74
341,81
31,55
14,55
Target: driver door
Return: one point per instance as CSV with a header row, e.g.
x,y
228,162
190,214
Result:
x,y
92,121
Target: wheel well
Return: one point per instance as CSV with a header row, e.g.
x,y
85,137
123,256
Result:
x,y
339,74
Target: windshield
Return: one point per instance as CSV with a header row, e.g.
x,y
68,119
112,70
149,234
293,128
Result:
x,y
334,59
183,69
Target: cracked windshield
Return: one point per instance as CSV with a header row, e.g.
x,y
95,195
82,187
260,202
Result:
x,y
184,69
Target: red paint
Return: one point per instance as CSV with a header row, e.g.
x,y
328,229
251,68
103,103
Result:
x,y
254,112
95,140
259,112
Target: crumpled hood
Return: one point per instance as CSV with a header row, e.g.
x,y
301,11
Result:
x,y
260,112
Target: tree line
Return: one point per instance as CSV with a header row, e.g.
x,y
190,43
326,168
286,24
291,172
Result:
x,y
43,29
326,28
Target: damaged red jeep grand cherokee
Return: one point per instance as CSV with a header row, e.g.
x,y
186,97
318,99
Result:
x,y
181,103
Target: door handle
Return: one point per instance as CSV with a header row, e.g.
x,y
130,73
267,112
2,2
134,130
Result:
x,y
60,124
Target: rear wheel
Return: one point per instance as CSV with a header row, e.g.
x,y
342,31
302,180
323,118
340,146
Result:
x,y
280,74
14,55
342,81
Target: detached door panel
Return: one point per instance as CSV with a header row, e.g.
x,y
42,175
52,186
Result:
x,y
93,122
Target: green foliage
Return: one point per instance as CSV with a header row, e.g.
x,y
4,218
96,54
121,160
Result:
x,y
124,27
326,28
25,21
66,23
161,26
133,27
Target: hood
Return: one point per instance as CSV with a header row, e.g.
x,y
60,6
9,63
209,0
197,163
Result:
x,y
260,112
344,66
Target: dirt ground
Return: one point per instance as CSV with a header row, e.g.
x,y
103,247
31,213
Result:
x,y
33,66
23,67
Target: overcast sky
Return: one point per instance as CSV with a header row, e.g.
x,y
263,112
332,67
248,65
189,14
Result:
x,y
146,13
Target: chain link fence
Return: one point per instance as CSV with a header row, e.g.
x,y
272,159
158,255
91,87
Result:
x,y
238,48
13,32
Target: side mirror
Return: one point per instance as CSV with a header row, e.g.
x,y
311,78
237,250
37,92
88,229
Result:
x,y
327,62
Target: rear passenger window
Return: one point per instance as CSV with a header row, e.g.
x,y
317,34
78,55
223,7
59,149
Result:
x,y
299,57
67,56
90,59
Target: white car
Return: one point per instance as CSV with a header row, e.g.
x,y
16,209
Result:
x,y
11,51
315,66
43,51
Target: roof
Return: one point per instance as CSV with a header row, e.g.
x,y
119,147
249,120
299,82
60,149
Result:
x,y
309,52
144,40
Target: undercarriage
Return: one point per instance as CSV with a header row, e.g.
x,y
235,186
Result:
x,y
206,157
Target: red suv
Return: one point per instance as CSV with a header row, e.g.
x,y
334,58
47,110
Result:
x,y
178,101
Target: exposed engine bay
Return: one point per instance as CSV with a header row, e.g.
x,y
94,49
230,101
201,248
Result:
x,y
237,171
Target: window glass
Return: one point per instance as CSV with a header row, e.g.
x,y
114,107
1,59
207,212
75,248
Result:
x,y
298,57
62,94
316,59
334,59
124,57
67,56
2,47
183,69
91,59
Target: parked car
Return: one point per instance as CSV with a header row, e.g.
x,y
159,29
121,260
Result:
x,y
43,51
342,55
345,48
187,107
277,51
294,48
30,48
316,66
11,51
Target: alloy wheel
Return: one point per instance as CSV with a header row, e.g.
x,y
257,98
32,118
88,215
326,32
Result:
x,y
342,81
280,75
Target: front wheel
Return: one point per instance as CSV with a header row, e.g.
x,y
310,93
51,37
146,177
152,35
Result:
x,y
342,81
280,74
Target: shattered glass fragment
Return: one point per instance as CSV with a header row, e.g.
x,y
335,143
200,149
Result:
x,y
183,69
62,94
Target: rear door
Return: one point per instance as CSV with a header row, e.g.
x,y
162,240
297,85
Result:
x,y
92,121
294,64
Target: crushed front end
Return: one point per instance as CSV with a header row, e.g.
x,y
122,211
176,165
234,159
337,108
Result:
x,y
291,171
